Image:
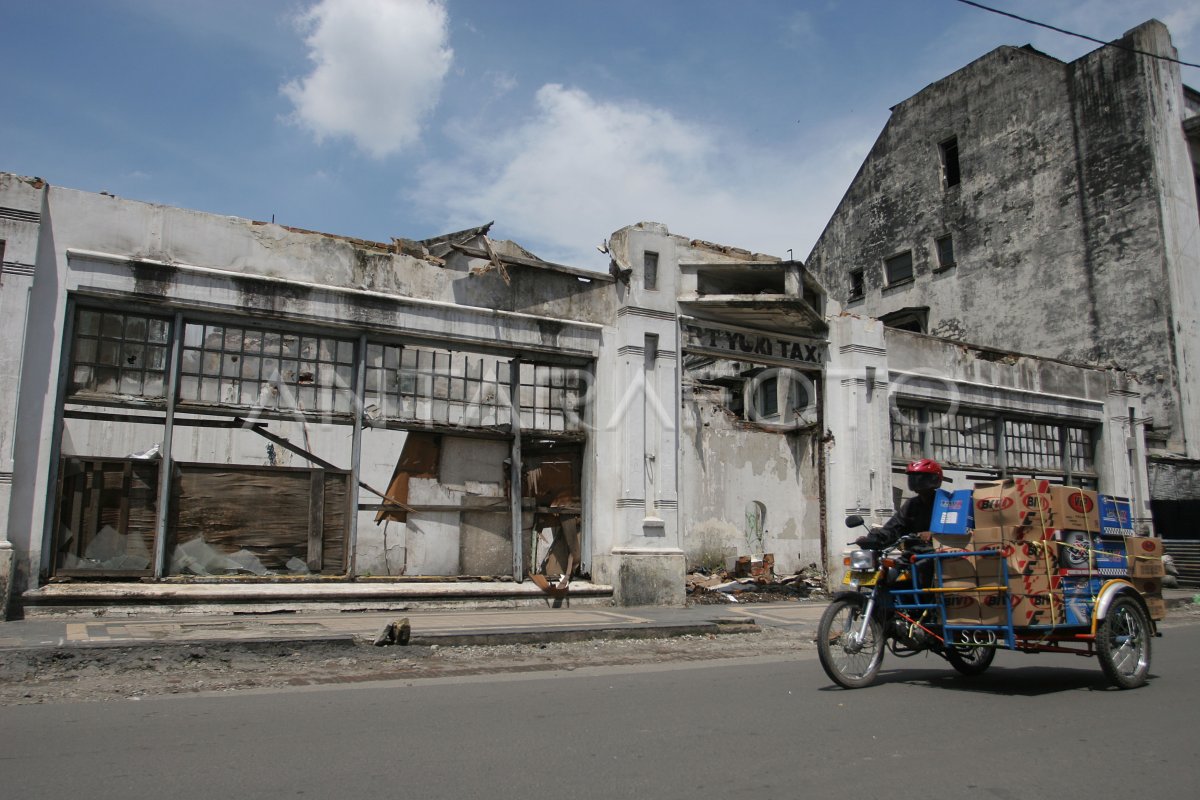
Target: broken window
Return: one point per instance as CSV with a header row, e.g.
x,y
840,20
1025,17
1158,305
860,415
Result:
x,y
274,369
993,442
650,270
435,385
948,150
857,284
551,397
899,268
106,516
118,353
945,251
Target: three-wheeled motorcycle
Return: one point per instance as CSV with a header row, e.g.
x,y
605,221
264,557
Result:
x,y
884,608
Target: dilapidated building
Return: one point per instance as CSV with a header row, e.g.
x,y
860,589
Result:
x,y
204,409
1033,205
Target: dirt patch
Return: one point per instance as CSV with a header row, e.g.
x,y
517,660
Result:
x,y
115,673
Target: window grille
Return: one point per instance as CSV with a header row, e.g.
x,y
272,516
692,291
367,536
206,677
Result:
x,y
252,367
118,353
969,439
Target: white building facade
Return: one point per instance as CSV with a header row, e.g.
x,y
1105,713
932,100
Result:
x,y
207,407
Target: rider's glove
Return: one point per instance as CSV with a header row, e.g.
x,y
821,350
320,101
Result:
x,y
864,541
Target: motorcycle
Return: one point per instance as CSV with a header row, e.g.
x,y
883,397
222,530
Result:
x,y
884,609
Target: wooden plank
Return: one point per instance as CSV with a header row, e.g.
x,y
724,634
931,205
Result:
x,y
316,518
123,513
77,482
91,522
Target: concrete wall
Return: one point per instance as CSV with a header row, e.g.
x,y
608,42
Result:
x,y
1074,225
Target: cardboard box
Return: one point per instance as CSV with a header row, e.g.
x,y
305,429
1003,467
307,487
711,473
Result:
x,y
1029,558
1157,607
1082,554
961,609
1116,516
1149,587
1077,609
993,608
952,512
1037,609
1072,508
1011,502
1145,556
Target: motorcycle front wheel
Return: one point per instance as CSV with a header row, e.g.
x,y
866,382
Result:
x,y
846,662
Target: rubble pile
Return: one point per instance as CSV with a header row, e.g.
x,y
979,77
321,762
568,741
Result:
x,y
752,585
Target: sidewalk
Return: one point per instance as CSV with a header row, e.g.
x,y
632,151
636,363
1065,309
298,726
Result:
x,y
444,627
483,626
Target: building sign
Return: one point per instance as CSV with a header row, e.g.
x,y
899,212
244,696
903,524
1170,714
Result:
x,y
701,336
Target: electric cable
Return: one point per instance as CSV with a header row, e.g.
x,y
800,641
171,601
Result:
x,y
1076,35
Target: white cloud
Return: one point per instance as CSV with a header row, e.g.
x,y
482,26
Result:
x,y
378,67
578,168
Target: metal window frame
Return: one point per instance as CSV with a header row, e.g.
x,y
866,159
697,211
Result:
x,y
1070,465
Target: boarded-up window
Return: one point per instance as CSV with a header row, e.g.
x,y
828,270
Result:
x,y
106,516
236,520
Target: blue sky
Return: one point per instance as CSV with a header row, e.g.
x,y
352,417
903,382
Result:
x,y
736,122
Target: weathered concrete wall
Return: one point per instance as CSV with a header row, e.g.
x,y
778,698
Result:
x,y
1058,223
725,466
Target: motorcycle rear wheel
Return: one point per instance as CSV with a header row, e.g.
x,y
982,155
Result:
x,y
970,661
847,664
1123,644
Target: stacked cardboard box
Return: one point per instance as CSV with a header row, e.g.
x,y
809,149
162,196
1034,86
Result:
x,y
1060,545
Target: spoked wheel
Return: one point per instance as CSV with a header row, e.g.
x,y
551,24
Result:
x,y
971,660
1123,644
847,662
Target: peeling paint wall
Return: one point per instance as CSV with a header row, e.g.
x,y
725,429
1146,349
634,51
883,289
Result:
x,y
1074,226
728,466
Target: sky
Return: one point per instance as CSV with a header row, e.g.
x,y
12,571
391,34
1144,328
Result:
x,y
561,120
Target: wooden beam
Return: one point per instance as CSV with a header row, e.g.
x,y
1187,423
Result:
x,y
316,519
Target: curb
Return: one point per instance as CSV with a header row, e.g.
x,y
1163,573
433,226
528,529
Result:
x,y
449,639
583,634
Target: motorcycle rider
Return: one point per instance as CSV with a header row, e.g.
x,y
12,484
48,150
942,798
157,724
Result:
x,y
916,513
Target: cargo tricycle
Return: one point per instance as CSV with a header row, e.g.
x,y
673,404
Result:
x,y
913,597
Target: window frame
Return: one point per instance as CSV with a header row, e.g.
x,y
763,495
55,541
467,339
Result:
x,y
650,261
943,265
951,164
858,280
912,268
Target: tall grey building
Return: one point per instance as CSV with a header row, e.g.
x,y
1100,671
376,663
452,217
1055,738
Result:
x,y
1037,206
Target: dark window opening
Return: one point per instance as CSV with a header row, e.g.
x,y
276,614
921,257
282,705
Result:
x,y
858,284
949,153
945,252
768,397
908,319
899,268
650,270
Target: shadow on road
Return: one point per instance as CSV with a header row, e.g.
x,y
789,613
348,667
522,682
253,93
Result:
x,y
1009,681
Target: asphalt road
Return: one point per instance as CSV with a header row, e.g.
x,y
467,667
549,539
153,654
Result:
x,y
1032,727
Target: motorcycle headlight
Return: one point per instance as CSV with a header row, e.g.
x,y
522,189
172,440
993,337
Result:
x,y
862,559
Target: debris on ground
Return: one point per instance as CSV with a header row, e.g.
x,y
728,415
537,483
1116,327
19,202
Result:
x,y
753,581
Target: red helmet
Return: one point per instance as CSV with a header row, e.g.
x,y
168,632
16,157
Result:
x,y
924,474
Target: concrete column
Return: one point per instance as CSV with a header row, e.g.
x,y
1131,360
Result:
x,y
19,231
858,460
